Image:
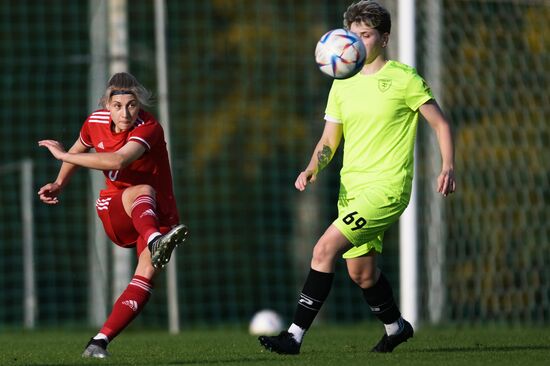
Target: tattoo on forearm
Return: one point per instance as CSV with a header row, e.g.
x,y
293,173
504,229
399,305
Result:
x,y
324,157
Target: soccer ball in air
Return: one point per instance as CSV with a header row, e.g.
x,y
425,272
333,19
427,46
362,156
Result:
x,y
340,54
265,322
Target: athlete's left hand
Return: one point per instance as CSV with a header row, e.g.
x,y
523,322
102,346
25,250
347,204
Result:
x,y
304,178
446,183
55,148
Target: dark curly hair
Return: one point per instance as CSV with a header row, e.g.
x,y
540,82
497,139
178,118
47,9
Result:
x,y
369,12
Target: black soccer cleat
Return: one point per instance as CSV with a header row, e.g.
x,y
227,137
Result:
x,y
388,343
162,246
284,343
96,348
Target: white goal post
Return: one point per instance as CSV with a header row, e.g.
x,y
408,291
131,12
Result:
x,y
408,233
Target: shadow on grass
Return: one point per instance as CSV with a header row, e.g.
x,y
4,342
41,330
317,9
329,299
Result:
x,y
197,361
243,361
483,348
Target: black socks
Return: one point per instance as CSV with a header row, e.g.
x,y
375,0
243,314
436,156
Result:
x,y
381,301
312,297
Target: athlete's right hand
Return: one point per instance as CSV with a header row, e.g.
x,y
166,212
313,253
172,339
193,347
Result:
x,y
48,194
305,177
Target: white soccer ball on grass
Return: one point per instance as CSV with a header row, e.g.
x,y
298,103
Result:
x,y
265,322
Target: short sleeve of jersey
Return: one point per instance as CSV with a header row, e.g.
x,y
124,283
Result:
x,y
148,134
418,92
85,137
332,111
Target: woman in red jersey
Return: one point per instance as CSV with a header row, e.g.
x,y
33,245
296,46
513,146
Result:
x,y
137,206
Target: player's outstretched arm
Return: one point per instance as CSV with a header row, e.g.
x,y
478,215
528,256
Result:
x,y
322,155
49,193
119,159
446,183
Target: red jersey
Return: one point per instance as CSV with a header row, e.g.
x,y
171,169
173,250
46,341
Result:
x,y
152,168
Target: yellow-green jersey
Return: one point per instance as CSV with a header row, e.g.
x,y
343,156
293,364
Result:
x,y
379,114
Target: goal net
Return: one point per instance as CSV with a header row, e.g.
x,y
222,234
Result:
x,y
246,109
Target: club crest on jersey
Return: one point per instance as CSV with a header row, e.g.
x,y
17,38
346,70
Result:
x,y
384,85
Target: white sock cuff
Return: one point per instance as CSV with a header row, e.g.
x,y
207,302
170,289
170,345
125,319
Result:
x,y
297,332
102,336
394,328
153,236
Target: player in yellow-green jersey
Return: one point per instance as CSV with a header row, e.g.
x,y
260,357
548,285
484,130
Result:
x,y
376,112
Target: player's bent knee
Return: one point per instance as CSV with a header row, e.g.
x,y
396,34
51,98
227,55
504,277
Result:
x,y
362,279
144,189
131,193
323,253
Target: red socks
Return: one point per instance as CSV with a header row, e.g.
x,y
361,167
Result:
x,y
128,306
133,299
144,216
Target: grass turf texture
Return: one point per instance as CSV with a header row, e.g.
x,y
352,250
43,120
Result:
x,y
324,345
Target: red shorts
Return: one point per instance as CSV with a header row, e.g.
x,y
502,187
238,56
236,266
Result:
x,y
118,225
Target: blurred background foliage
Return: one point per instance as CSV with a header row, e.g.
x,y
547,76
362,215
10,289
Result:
x,y
246,109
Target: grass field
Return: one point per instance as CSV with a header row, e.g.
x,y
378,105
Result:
x,y
324,345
